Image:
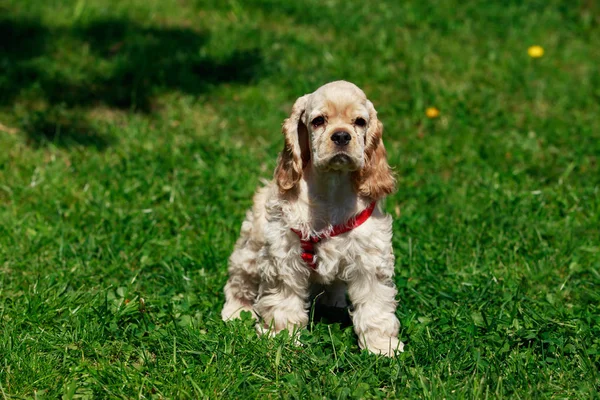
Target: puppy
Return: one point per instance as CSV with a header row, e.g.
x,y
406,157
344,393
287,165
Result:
x,y
319,226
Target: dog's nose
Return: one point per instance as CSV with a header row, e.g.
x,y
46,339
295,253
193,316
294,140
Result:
x,y
341,138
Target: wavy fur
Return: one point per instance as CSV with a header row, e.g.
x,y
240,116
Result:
x,y
267,276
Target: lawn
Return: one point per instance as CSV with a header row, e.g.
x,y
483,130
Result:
x,y
134,133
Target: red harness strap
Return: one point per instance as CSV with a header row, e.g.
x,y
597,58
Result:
x,y
308,244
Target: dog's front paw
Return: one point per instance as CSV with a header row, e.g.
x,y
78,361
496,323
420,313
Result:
x,y
293,330
233,310
377,343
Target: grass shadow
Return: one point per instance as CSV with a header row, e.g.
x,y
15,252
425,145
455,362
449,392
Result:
x,y
21,41
114,63
321,313
64,129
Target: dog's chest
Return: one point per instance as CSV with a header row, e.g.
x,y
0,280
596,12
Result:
x,y
335,256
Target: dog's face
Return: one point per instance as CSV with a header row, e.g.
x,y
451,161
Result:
x,y
335,128
337,118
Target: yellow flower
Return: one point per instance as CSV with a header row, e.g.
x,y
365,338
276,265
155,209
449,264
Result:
x,y
535,51
432,112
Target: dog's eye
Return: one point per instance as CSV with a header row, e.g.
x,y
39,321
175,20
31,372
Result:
x,y
318,121
360,122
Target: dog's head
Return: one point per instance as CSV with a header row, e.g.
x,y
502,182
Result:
x,y
336,128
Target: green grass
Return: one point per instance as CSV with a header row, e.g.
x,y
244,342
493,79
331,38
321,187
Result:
x,y
135,132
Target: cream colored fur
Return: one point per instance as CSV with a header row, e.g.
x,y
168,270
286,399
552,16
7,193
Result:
x,y
319,184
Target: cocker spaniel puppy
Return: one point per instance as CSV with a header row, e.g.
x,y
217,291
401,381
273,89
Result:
x,y
318,225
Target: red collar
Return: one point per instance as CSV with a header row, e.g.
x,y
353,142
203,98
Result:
x,y
308,244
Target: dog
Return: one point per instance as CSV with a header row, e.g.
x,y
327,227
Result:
x,y
318,225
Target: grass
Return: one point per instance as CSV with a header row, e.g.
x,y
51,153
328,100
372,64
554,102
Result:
x,y
133,134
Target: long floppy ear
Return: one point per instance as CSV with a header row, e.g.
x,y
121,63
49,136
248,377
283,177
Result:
x,y
375,180
296,151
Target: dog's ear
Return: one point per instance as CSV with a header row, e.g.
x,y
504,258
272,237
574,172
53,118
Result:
x,y
296,152
375,180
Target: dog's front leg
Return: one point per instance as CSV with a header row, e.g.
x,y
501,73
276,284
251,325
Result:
x,y
283,303
373,317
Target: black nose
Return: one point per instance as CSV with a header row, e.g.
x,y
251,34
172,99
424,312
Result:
x,y
341,138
